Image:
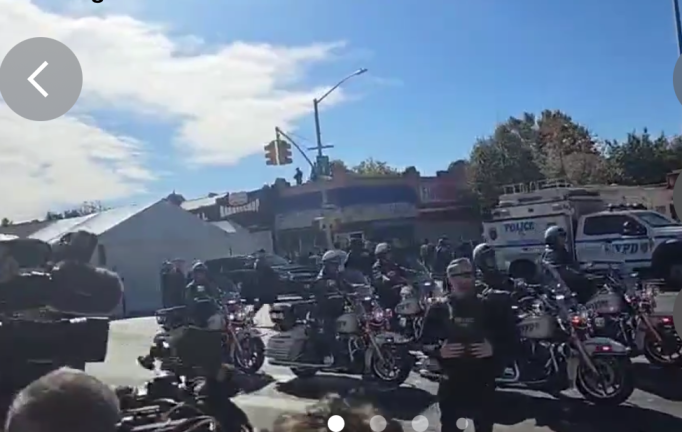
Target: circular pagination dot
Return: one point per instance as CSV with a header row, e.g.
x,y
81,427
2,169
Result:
x,y
462,423
377,423
420,423
336,423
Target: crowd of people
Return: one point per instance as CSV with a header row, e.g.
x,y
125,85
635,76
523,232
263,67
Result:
x,y
474,320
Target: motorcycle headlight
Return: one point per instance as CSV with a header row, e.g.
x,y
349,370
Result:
x,y
378,315
580,318
160,320
237,316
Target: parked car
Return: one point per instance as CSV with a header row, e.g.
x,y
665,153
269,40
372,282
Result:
x,y
292,279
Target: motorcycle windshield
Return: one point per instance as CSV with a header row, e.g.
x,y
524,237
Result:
x,y
354,277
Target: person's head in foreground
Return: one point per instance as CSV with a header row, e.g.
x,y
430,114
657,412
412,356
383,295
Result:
x,y
357,418
66,400
461,276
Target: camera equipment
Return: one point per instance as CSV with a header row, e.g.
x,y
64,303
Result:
x,y
168,403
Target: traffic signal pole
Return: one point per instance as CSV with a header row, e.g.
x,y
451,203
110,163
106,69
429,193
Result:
x,y
280,133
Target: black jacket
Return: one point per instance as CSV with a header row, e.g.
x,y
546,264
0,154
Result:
x,y
570,272
487,316
559,257
497,281
359,259
195,292
389,296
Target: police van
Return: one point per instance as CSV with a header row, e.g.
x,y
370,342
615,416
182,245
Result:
x,y
642,240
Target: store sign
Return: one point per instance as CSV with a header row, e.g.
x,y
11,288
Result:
x,y
230,210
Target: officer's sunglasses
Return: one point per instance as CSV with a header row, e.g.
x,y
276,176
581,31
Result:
x,y
464,275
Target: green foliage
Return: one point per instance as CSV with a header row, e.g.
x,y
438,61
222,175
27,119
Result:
x,y
5,222
369,167
85,209
372,167
553,145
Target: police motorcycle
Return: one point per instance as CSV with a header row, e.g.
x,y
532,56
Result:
x,y
558,352
624,311
363,345
417,292
241,341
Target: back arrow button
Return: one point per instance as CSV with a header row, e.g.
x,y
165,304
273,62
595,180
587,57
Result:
x,y
32,79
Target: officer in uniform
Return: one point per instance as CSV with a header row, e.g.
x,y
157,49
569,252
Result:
x,y
486,264
557,255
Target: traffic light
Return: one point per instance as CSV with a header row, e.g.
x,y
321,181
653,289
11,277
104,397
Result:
x,y
278,152
284,153
271,153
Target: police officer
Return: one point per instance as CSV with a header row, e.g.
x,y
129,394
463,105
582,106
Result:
x,y
479,340
358,258
201,295
557,255
386,275
329,305
485,263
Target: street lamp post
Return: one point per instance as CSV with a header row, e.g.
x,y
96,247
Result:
x,y
319,147
678,25
316,104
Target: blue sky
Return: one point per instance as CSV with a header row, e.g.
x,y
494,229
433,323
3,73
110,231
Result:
x,y
441,74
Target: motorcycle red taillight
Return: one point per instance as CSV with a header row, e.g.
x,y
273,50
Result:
x,y
603,348
666,320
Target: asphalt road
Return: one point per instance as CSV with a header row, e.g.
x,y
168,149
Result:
x,y
655,406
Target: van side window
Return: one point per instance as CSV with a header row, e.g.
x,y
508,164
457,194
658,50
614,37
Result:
x,y
605,224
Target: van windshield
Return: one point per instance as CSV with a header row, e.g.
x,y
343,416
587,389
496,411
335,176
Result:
x,y
656,220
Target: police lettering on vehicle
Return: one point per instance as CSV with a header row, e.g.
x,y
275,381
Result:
x,y
519,227
630,248
526,328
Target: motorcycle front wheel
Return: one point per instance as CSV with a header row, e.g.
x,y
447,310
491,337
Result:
x,y
667,353
395,367
612,385
252,355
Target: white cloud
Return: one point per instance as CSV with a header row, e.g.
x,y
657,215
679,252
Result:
x,y
225,103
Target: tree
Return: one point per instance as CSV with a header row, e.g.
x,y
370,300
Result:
x,y
5,222
338,165
641,160
87,208
372,167
504,158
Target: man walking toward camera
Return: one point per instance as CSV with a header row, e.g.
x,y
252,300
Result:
x,y
478,334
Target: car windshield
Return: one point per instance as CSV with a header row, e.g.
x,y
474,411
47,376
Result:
x,y
656,220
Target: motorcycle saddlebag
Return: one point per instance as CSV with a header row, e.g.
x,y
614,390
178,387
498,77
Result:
x,y
62,341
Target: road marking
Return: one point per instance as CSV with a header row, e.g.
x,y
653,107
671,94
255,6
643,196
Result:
x,y
32,79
